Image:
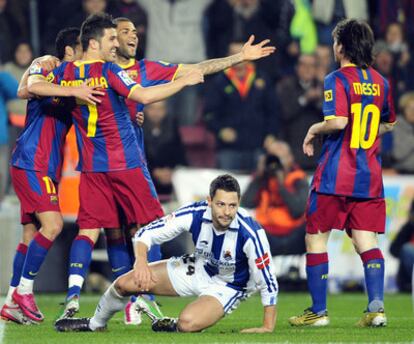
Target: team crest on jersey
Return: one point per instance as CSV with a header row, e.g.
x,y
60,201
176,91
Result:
x,y
227,255
125,78
328,95
53,199
133,74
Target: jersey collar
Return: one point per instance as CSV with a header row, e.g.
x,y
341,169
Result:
x,y
78,63
127,65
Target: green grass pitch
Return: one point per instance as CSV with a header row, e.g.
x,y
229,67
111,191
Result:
x,y
344,311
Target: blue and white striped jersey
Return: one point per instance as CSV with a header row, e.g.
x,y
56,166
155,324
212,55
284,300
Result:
x,y
238,257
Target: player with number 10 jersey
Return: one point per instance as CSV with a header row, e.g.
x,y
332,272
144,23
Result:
x,y
350,163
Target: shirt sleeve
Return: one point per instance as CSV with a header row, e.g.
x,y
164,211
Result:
x,y
120,81
388,111
156,72
165,229
261,267
335,102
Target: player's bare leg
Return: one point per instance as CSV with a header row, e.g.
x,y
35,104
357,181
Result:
x,y
10,310
317,273
51,226
366,245
200,314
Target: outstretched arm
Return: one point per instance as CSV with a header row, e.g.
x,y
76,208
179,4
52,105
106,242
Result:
x,y
249,52
147,95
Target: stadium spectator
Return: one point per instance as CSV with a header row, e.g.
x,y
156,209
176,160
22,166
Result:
x,y
325,62
10,29
346,193
220,275
402,248
278,193
8,91
327,13
163,147
242,112
403,138
175,24
236,20
300,100
23,56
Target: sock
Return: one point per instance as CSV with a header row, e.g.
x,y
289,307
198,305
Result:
x,y
317,272
79,261
18,263
118,255
35,256
154,254
110,303
374,278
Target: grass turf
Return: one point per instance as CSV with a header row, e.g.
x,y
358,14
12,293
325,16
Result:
x,y
345,310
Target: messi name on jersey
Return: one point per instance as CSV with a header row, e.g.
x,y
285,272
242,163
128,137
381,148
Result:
x,y
367,89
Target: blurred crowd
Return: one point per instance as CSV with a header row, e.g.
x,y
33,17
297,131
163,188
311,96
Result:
x,y
229,121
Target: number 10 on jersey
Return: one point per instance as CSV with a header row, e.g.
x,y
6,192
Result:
x,y
360,124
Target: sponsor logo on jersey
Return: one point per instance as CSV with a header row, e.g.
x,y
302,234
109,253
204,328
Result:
x,y
126,78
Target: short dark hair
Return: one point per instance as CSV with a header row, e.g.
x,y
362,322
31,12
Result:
x,y
93,28
224,182
68,37
357,40
121,20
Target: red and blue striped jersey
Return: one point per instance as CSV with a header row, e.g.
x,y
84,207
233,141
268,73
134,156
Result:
x,y
146,73
350,162
40,145
105,136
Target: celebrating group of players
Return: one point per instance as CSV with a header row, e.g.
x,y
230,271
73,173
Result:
x,y
100,89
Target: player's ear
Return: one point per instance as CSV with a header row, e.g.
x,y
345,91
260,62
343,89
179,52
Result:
x,y
209,201
69,52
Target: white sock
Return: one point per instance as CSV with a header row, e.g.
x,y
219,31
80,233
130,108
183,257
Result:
x,y
110,303
25,286
9,300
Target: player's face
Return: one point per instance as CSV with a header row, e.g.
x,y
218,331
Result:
x,y
224,207
128,39
108,45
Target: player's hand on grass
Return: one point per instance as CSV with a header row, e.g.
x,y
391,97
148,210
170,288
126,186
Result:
x,y
139,117
252,52
193,77
87,93
256,330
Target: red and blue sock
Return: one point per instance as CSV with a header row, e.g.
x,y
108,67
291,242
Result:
x,y
18,263
317,266
119,256
373,262
79,261
35,256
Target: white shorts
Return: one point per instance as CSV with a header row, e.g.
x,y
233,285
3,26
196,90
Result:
x,y
181,271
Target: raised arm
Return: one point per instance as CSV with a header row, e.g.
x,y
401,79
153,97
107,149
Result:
x,y
249,52
147,95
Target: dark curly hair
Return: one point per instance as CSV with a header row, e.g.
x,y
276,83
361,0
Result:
x,y
357,40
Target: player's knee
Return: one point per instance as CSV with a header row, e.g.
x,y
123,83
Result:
x,y
188,323
122,286
53,228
